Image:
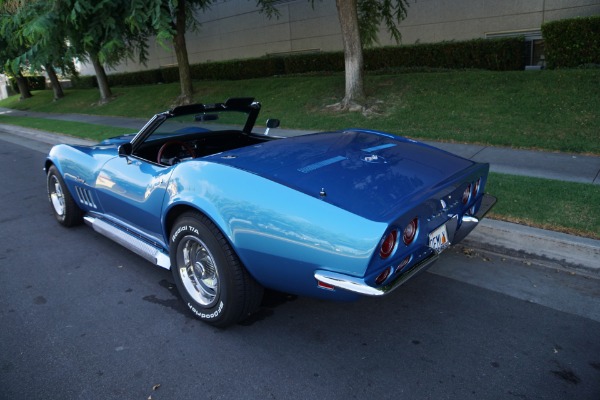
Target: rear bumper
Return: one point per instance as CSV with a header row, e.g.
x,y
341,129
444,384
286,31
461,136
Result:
x,y
358,285
469,222
457,233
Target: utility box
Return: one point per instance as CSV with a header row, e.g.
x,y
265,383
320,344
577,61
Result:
x,y
3,87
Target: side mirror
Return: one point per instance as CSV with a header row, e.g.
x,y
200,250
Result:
x,y
125,149
272,123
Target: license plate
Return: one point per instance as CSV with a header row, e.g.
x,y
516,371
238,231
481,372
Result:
x,y
438,239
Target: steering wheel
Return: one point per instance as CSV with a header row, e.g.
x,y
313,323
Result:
x,y
182,145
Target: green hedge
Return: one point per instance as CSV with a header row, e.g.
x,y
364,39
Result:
x,y
84,81
572,42
498,55
34,83
146,77
170,74
314,62
239,69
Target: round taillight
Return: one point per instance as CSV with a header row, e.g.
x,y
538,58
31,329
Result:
x,y
466,194
383,276
388,244
477,187
410,231
403,263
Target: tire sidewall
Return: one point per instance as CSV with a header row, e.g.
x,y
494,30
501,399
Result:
x,y
53,172
220,310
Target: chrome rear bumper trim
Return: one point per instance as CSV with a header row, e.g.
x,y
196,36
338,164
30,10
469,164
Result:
x,y
358,285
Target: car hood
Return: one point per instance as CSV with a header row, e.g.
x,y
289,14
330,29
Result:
x,y
365,172
118,140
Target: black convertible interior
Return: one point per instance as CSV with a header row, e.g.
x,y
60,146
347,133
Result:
x,y
170,151
198,130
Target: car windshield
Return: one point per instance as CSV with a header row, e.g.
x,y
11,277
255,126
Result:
x,y
200,123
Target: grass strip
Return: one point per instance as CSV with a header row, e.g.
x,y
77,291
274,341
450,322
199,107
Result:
x,y
77,129
567,207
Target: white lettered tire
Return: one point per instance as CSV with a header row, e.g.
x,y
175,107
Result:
x,y
65,209
209,276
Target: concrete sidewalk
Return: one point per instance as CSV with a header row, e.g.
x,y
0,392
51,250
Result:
x,y
567,250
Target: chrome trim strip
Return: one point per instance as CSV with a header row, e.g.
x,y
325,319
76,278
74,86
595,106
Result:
x,y
358,285
130,242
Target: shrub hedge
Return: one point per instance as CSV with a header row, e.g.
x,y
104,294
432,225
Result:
x,y
572,42
146,77
497,54
84,81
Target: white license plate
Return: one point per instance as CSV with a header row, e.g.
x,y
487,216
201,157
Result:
x,y
438,239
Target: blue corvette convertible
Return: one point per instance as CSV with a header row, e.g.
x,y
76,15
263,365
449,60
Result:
x,y
333,215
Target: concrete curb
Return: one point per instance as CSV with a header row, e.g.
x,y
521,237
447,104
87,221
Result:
x,y
568,250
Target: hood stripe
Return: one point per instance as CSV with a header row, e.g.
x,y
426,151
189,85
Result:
x,y
320,164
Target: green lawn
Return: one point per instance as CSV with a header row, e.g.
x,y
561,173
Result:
x,y
549,204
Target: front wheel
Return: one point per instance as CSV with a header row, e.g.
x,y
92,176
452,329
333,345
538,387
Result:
x,y
210,277
65,209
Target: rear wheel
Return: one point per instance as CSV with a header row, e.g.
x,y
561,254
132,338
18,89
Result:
x,y
210,277
65,209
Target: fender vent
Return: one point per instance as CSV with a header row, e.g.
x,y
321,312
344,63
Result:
x,y
85,197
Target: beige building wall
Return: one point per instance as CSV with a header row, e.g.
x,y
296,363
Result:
x,y
234,29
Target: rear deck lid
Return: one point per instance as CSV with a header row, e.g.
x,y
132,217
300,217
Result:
x,y
368,173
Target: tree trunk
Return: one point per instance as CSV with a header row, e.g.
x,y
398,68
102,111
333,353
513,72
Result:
x,y
105,93
23,86
58,92
185,75
353,54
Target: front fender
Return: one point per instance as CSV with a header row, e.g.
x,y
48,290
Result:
x,y
81,162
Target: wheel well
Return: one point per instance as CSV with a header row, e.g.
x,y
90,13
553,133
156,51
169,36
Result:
x,y
176,212
47,165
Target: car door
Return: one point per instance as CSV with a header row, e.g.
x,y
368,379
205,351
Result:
x,y
132,190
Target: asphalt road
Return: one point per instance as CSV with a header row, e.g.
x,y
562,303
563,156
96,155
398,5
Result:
x,y
83,318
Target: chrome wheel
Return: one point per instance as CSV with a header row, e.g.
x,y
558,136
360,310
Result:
x,y
57,197
64,207
198,270
211,280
